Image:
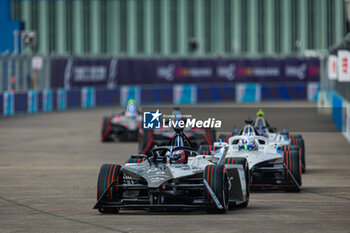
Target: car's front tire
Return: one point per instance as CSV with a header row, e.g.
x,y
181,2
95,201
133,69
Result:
x,y
109,173
217,178
244,162
292,161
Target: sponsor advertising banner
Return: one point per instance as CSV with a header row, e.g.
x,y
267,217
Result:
x,y
72,72
332,67
78,72
343,66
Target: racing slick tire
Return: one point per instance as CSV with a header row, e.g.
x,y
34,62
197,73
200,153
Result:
x,y
106,129
244,162
292,161
300,151
109,173
301,144
297,140
217,178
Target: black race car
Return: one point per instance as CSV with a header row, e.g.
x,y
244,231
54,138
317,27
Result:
x,y
174,177
150,138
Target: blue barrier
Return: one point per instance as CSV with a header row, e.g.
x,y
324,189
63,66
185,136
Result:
x,y
74,98
107,97
61,99
337,111
32,100
89,97
9,103
20,103
248,92
47,100
216,93
129,92
185,94
284,92
157,95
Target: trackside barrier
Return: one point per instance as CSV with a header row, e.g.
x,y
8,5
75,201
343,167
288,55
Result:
x,y
61,99
185,94
89,97
248,92
32,101
337,115
129,92
216,93
313,88
8,103
339,109
47,101
294,91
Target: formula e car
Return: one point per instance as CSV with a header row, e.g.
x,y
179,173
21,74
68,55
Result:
x,y
285,140
150,138
124,126
173,178
269,166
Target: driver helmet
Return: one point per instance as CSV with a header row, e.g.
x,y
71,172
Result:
x,y
178,156
131,109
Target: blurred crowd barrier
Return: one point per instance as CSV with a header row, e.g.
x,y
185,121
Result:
x,y
39,83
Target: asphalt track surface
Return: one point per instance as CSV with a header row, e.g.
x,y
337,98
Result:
x,y
49,165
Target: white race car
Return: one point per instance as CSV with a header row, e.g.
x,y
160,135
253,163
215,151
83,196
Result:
x,y
283,139
269,166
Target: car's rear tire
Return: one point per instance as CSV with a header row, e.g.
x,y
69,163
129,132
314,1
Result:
x,y
297,140
301,144
217,178
106,129
108,173
244,162
298,149
292,161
